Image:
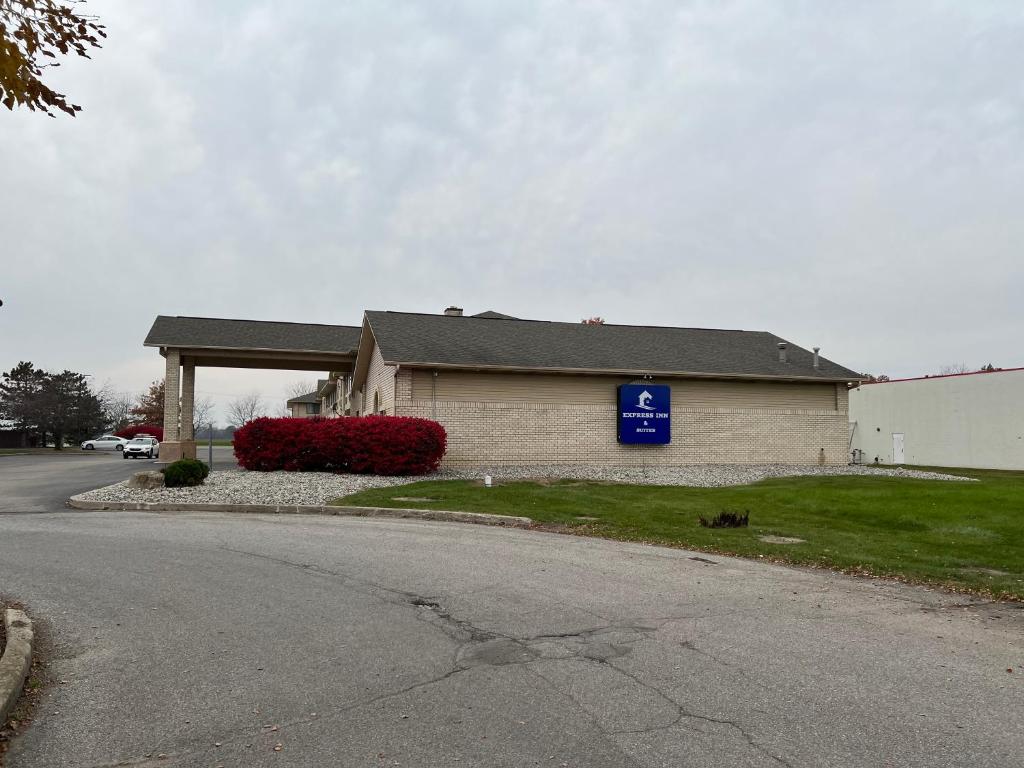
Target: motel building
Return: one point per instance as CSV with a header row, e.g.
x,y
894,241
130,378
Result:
x,y
525,392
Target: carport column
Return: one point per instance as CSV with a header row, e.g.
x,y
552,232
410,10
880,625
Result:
x,y
170,448
188,399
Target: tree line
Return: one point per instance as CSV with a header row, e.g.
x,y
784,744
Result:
x,y
64,408
56,407
946,370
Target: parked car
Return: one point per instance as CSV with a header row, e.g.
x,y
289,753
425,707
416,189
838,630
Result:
x,y
105,443
137,447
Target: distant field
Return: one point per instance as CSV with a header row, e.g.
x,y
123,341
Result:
x,y
960,535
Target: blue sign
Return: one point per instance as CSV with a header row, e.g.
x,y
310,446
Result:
x,y
645,414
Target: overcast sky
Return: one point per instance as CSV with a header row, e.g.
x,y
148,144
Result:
x,y
845,174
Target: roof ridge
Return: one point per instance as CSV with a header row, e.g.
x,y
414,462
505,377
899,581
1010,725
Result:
x,y
564,322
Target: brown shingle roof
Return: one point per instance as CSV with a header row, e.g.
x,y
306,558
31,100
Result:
x,y
309,397
410,338
217,333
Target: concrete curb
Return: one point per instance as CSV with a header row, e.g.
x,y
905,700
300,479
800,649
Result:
x,y
16,661
480,518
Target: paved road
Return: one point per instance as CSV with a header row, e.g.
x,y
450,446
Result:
x,y
43,482
212,639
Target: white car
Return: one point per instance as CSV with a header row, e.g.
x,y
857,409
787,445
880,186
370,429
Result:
x,y
142,447
105,443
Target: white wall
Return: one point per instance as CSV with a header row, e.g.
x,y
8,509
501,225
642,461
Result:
x,y
974,420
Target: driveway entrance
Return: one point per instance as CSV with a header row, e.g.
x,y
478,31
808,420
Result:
x,y
280,641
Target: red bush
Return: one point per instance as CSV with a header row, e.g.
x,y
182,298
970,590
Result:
x,y
332,442
141,429
396,445
267,444
381,445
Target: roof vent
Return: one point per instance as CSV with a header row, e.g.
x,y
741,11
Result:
x,y
817,361
453,312
782,351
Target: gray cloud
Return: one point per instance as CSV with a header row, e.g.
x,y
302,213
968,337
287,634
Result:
x,y
844,174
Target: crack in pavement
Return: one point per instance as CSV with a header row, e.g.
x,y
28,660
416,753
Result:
x,y
475,647
587,713
240,735
689,645
681,713
321,571
139,762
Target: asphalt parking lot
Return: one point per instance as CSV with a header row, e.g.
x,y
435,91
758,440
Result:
x,y
211,639
42,482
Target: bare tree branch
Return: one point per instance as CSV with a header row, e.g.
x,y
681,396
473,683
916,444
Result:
x,y
202,410
117,406
300,387
244,409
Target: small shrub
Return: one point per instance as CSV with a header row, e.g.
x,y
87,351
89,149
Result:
x,y
726,520
141,429
185,472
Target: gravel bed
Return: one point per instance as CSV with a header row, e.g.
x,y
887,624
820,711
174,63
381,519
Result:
x,y
241,487
697,475
236,486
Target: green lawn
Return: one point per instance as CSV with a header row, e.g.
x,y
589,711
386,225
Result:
x,y
961,535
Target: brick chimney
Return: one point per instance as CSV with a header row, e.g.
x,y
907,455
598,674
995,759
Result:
x,y
453,312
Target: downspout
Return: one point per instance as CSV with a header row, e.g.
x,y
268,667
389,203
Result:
x,y
394,391
433,395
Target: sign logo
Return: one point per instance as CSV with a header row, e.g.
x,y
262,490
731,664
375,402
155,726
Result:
x,y
645,414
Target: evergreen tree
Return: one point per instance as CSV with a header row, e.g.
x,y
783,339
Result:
x,y
20,397
72,410
61,405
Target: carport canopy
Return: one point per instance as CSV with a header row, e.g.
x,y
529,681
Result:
x,y
191,342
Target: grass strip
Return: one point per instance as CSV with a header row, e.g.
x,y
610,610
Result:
x,y
963,536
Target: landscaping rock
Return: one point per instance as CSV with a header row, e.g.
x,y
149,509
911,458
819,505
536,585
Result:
x,y
238,486
146,480
695,475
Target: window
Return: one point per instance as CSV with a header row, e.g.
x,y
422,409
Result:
x,y
376,401
312,409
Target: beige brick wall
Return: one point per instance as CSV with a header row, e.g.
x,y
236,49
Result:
x,y
486,433
600,390
727,422
380,378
